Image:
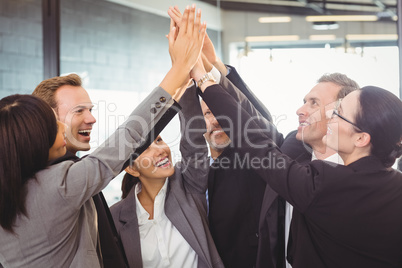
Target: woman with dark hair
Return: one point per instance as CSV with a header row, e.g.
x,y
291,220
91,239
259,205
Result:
x,y
47,216
162,219
350,215
19,115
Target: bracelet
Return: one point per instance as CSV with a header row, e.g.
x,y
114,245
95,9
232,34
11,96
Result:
x,y
205,78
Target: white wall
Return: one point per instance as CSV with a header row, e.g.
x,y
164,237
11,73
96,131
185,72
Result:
x,y
209,13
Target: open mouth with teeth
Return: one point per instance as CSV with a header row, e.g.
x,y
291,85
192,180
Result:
x,y
85,133
164,162
216,132
303,124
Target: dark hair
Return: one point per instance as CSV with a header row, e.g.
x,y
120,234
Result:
x,y
28,129
347,85
127,184
46,90
380,115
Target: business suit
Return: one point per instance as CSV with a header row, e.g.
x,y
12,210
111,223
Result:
x,y
271,223
59,230
272,238
185,203
109,249
302,153
349,213
233,197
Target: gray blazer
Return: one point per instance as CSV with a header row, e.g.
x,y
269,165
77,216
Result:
x,y
60,228
185,203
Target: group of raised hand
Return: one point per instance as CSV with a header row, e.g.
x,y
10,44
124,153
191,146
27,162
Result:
x,y
191,50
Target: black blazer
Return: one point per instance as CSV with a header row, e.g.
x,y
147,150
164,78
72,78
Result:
x,y
351,214
271,231
236,193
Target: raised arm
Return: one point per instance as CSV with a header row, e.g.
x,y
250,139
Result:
x,y
87,177
210,59
251,109
298,184
195,162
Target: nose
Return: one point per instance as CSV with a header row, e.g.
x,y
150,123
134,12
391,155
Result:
x,y
302,110
158,149
89,118
214,122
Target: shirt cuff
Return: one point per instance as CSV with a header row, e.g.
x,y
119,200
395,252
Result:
x,y
216,74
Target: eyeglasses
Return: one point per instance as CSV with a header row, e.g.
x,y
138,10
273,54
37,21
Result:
x,y
335,112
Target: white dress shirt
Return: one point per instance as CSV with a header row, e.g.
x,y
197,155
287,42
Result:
x,y
162,245
335,158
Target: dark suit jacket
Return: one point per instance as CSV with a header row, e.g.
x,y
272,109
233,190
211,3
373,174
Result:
x,y
350,213
235,201
295,149
271,238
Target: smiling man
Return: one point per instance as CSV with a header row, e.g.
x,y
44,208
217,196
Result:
x,y
74,109
217,139
312,128
312,118
73,106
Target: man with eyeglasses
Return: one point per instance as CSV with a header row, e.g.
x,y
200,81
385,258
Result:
x,y
312,128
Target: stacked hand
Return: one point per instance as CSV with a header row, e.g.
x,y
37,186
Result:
x,y
208,48
185,46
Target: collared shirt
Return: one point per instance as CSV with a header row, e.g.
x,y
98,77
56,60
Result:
x,y
335,158
162,245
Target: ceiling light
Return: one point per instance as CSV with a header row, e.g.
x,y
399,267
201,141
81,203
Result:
x,y
355,37
272,38
322,37
325,25
342,18
274,19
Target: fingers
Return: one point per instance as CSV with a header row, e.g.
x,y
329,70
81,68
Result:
x,y
190,27
171,36
177,11
203,31
184,20
172,24
175,14
197,24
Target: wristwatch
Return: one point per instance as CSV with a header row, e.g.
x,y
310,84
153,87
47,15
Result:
x,y
205,78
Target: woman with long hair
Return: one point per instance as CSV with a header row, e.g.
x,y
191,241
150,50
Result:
x,y
351,214
47,216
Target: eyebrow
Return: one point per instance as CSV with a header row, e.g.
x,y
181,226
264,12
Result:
x,y
90,106
311,99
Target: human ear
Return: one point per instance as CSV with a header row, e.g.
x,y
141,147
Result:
x,y
363,139
132,170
